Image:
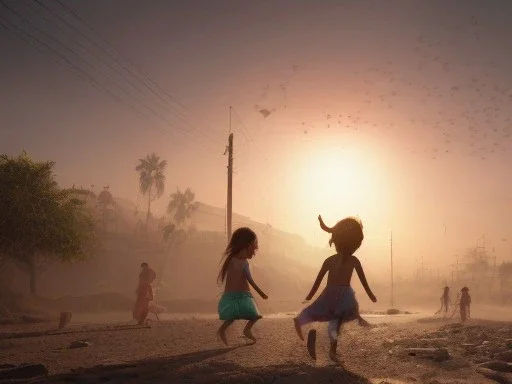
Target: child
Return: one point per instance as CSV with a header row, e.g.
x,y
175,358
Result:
x,y
465,304
337,304
445,301
237,302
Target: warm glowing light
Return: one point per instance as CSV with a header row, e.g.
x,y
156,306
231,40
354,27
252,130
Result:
x,y
338,182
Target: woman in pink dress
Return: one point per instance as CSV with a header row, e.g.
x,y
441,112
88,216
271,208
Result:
x,y
144,293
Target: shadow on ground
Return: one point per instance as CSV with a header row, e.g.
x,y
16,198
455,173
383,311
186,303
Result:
x,y
196,368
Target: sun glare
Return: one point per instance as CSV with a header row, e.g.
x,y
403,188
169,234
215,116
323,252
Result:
x,y
339,182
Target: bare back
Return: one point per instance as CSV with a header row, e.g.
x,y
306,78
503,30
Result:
x,y
340,269
236,278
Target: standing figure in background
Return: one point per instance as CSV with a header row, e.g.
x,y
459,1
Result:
x,y
144,293
465,304
445,301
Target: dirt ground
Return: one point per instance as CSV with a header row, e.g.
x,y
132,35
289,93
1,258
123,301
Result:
x,y
187,351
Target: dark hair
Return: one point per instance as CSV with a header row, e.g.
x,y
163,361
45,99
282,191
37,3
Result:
x,y
347,235
240,240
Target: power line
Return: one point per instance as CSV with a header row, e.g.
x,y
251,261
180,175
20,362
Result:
x,y
149,80
43,5
149,108
77,70
81,73
82,20
244,131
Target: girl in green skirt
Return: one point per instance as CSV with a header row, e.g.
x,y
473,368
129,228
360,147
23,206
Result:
x,y
237,302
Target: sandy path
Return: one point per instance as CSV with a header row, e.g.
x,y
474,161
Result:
x,y
188,351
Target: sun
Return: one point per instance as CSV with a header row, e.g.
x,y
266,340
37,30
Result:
x,y
338,182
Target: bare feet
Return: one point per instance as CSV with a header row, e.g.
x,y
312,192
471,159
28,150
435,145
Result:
x,y
249,335
363,322
248,329
312,344
297,328
332,352
221,334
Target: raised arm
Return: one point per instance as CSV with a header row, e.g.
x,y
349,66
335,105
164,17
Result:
x,y
249,278
319,278
362,278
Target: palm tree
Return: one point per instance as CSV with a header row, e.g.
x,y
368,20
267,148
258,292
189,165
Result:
x,y
182,205
151,178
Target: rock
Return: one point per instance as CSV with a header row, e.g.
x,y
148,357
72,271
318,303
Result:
x,y
496,365
23,372
502,378
504,356
392,311
79,344
437,354
434,342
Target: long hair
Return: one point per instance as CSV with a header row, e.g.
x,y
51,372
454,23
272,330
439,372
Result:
x,y
347,234
240,240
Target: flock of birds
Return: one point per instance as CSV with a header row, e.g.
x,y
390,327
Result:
x,y
459,105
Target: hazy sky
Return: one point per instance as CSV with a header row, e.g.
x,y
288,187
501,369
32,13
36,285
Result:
x,y
396,111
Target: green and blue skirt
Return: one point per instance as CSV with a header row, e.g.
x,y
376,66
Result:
x,y
238,306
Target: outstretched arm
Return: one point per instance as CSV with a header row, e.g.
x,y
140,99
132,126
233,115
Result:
x,y
362,278
319,278
249,278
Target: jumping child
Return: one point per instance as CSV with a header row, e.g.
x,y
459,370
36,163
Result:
x,y
237,302
465,304
337,303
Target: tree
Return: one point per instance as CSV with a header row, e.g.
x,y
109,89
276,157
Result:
x,y
40,222
151,178
181,206
477,265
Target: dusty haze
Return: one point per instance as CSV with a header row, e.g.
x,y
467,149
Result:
x,y
398,112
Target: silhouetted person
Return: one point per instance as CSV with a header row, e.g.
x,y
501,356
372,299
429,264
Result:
x,y
144,293
337,303
465,304
445,301
237,302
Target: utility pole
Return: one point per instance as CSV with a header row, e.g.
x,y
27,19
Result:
x,y
392,285
457,267
493,270
230,178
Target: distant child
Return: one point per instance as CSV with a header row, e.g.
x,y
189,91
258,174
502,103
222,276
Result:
x,y
465,304
445,301
337,303
237,302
